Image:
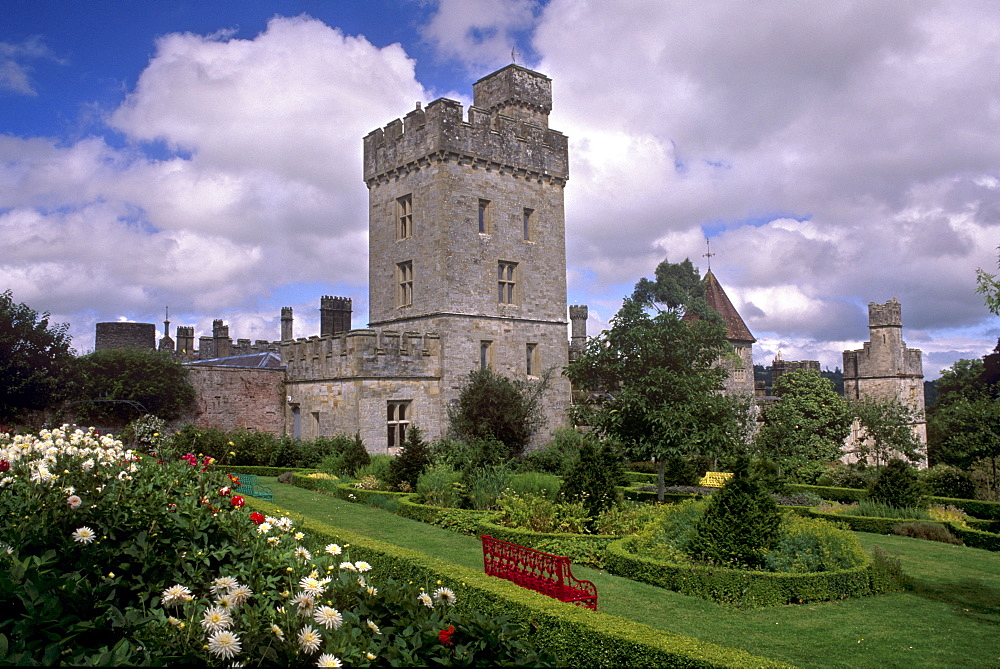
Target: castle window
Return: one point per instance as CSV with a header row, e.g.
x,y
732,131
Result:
x,y
527,223
404,284
531,355
396,423
506,281
485,354
404,217
485,215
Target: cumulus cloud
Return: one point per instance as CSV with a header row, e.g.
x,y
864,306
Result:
x,y
479,33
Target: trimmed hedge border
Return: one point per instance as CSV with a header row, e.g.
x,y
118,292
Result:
x,y
263,471
747,588
974,507
971,537
831,493
586,549
578,637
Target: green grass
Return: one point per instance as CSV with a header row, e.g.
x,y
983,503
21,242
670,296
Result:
x,y
951,617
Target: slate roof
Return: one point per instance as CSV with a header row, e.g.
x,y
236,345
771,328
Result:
x,y
736,329
265,360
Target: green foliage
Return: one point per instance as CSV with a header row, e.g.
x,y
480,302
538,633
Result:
x,y
492,406
411,462
557,456
378,468
927,531
886,429
440,485
947,481
594,478
812,545
988,285
808,424
679,470
878,509
153,379
541,514
535,483
468,454
676,285
660,383
740,524
35,359
146,433
484,485
897,485
256,449
853,475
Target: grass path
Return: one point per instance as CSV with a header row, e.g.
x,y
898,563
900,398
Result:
x,y
951,617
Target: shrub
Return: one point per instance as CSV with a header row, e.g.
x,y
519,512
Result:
x,y
928,531
854,475
535,483
627,518
740,523
440,485
808,545
378,468
948,514
558,455
145,433
484,485
469,454
897,485
871,509
411,461
669,536
539,514
594,478
679,471
355,456
948,481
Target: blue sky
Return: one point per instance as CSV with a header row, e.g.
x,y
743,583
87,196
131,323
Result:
x,y
206,155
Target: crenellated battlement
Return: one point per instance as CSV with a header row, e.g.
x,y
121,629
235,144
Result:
x,y
362,353
506,130
885,315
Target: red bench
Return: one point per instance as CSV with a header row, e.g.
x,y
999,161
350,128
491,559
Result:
x,y
543,572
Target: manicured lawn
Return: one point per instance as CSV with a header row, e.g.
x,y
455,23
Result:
x,y
951,617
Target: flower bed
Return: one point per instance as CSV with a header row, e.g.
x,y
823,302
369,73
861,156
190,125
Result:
x,y
745,588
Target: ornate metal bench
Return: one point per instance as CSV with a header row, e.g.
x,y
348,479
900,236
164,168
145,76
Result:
x,y
543,572
248,486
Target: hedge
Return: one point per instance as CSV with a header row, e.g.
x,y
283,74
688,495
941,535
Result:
x,y
262,471
744,588
974,507
578,637
465,521
971,537
831,493
637,495
587,549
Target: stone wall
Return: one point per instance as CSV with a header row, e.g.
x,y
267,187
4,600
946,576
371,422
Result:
x,y
231,398
125,335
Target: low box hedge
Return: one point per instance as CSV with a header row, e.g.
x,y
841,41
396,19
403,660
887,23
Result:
x,y
831,493
465,521
578,637
974,507
976,538
637,495
744,588
263,471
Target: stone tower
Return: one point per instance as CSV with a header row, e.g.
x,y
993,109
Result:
x,y
885,367
467,232
740,368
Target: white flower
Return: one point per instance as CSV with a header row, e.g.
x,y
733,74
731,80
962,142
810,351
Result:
x,y
223,585
333,549
216,618
348,566
224,644
313,585
371,590
373,627
328,660
299,536
274,540
84,535
74,502
425,599
446,595
362,566
264,528
303,554
175,595
240,594
328,617
309,639
278,633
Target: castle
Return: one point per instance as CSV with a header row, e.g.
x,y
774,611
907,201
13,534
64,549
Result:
x,y
467,269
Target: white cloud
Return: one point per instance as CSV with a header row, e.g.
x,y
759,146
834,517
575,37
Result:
x,y
479,33
15,72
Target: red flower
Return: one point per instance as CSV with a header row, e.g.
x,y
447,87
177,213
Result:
x,y
171,508
225,491
444,636
257,518
237,501
4,466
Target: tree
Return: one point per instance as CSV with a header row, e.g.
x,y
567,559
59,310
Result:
x,y
989,286
34,359
411,462
659,383
677,286
152,379
594,477
491,406
807,424
897,485
886,429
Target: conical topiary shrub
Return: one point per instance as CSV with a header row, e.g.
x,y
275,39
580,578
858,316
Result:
x,y
897,485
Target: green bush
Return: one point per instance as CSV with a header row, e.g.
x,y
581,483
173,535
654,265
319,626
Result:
x,y
440,485
378,467
541,514
535,483
947,481
874,509
411,462
807,545
594,477
557,456
355,456
740,524
928,531
897,485
854,475
484,485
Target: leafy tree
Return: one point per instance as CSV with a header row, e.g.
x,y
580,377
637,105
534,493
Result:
x,y
491,406
411,461
740,524
886,429
34,359
808,423
989,286
152,379
676,286
660,385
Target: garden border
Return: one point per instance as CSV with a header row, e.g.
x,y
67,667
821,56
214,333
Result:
x,y
971,537
578,637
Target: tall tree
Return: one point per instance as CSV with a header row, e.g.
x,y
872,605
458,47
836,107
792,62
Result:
x,y
34,359
807,424
676,287
886,430
989,286
659,383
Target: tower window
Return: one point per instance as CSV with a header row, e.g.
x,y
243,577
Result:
x,y
404,284
485,354
527,223
396,423
506,281
531,355
485,214
404,217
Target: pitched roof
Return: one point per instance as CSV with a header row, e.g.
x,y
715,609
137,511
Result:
x,y
736,329
263,360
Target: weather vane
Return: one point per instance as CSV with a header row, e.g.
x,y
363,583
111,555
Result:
x,y
514,53
708,254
